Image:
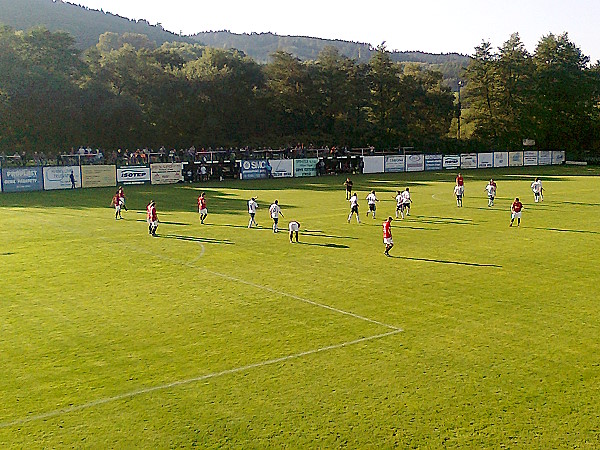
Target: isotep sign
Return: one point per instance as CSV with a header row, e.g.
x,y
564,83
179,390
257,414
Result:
x,y
133,175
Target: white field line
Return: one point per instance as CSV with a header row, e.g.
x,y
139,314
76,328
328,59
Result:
x,y
192,264
174,384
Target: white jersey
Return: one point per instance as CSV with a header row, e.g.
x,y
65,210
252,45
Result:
x,y
458,190
294,226
371,199
275,210
491,190
399,199
536,187
252,205
354,200
405,197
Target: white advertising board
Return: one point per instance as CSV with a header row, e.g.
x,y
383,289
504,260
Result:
x,y
545,158
59,177
500,159
415,163
451,161
166,173
468,160
394,163
373,164
558,157
485,160
282,168
133,175
530,158
515,159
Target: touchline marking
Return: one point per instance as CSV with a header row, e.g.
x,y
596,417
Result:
x,y
192,264
162,387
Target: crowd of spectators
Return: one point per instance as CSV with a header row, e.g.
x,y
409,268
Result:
x,y
199,165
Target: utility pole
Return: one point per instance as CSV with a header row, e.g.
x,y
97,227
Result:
x,y
459,109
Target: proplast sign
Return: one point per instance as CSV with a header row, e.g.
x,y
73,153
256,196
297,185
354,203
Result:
x,y
133,175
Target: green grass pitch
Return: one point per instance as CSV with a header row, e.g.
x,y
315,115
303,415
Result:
x,y
473,335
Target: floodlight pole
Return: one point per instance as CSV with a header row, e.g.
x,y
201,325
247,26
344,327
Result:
x,y
460,84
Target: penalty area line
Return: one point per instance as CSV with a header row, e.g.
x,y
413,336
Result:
x,y
175,384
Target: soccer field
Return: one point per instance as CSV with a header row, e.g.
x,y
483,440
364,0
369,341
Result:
x,y
473,335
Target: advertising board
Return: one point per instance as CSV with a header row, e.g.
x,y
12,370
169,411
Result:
x,y
373,164
251,169
515,159
500,159
394,163
545,158
558,157
485,160
19,179
305,167
282,168
59,177
451,161
166,173
98,176
133,175
415,163
468,160
434,162
530,158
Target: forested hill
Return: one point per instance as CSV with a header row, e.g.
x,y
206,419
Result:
x,y
260,45
84,24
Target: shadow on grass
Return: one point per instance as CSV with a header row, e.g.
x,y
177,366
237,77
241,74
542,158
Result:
x,y
318,233
442,261
442,220
7,254
563,230
323,245
168,223
579,203
195,239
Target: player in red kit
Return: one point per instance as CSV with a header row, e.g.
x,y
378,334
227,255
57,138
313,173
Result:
x,y
460,181
387,236
202,208
515,210
152,218
117,204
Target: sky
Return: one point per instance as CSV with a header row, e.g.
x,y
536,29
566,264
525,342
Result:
x,y
433,26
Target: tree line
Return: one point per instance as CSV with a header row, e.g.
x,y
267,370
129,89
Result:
x,y
126,92
551,96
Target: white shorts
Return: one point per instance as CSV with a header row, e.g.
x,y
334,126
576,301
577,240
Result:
x,y
388,241
203,211
118,208
121,201
516,215
294,227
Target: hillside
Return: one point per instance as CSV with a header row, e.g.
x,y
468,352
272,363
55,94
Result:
x,y
260,45
86,25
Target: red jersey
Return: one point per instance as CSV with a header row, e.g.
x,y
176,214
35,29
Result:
x,y
460,181
116,200
517,206
153,214
201,203
387,230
